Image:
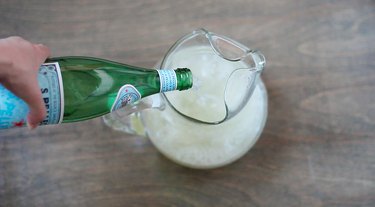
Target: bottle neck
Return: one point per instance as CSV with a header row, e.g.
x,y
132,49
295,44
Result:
x,y
184,78
179,79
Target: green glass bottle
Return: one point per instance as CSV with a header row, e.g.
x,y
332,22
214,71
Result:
x,y
81,88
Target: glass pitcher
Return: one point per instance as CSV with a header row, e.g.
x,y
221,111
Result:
x,y
219,119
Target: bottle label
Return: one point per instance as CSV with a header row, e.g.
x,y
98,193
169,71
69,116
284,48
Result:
x,y
168,80
51,86
127,94
13,110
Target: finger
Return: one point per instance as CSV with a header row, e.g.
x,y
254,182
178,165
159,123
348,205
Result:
x,y
32,96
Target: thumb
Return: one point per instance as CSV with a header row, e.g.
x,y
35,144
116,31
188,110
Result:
x,y
35,117
34,99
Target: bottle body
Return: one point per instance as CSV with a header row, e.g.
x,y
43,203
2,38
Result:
x,y
86,88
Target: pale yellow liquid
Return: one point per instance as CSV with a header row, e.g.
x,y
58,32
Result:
x,y
206,146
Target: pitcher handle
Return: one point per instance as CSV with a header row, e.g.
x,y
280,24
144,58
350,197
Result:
x,y
128,118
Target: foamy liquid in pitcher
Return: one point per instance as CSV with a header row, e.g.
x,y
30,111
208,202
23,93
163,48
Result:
x,y
200,145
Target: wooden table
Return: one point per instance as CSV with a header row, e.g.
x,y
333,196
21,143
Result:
x,y
318,146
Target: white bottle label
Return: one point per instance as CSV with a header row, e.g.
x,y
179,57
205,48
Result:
x,y
126,95
13,110
168,80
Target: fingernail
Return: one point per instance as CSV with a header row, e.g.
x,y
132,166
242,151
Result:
x,y
31,126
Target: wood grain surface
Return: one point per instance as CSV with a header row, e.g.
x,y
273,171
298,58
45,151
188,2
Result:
x,y
318,146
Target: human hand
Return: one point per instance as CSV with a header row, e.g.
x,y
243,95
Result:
x,y
19,65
